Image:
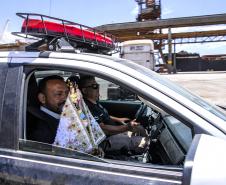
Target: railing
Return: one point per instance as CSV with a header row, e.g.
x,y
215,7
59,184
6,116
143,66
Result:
x,y
77,35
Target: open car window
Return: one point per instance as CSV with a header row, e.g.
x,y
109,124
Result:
x,y
170,139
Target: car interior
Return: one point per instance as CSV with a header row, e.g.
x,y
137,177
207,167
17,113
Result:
x,y
170,139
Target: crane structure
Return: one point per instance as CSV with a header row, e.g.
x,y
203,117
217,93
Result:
x,y
149,10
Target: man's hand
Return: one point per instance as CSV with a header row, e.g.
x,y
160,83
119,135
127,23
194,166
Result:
x,y
99,152
133,125
137,129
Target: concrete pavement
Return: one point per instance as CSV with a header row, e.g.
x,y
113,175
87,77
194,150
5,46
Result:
x,y
209,85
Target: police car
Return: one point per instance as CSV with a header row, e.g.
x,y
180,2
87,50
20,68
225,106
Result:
x,y
187,134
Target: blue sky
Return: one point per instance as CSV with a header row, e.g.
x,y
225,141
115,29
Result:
x,y
98,12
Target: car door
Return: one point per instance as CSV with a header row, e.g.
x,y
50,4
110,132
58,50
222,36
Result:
x,y
100,171
45,167
205,162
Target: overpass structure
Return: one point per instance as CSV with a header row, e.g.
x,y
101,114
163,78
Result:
x,y
150,29
160,31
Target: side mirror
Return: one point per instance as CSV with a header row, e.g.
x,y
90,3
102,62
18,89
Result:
x,y
205,162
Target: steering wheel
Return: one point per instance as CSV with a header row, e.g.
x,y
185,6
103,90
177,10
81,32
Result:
x,y
141,113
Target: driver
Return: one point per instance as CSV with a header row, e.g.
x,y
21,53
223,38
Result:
x,y
118,135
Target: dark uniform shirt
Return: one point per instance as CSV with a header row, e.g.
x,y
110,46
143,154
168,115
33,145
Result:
x,y
99,113
43,128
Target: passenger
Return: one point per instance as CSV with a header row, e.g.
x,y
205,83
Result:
x,y
118,136
52,95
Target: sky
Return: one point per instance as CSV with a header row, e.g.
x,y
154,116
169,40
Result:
x,y
95,13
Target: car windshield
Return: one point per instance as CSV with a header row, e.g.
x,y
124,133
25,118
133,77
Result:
x,y
180,90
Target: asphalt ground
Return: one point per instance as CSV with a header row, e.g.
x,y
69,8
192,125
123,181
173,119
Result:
x,y
209,85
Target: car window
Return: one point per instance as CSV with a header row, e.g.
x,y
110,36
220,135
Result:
x,y
33,114
166,145
112,91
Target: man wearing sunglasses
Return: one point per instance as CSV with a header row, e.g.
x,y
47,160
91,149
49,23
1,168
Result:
x,y
118,136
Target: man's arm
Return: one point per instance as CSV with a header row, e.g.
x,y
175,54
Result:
x,y
112,130
120,120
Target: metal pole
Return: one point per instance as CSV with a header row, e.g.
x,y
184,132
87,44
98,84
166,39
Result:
x,y
169,61
174,59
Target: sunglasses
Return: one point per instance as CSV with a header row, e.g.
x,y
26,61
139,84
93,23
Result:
x,y
93,86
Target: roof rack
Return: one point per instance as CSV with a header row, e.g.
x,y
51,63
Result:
x,y
63,35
